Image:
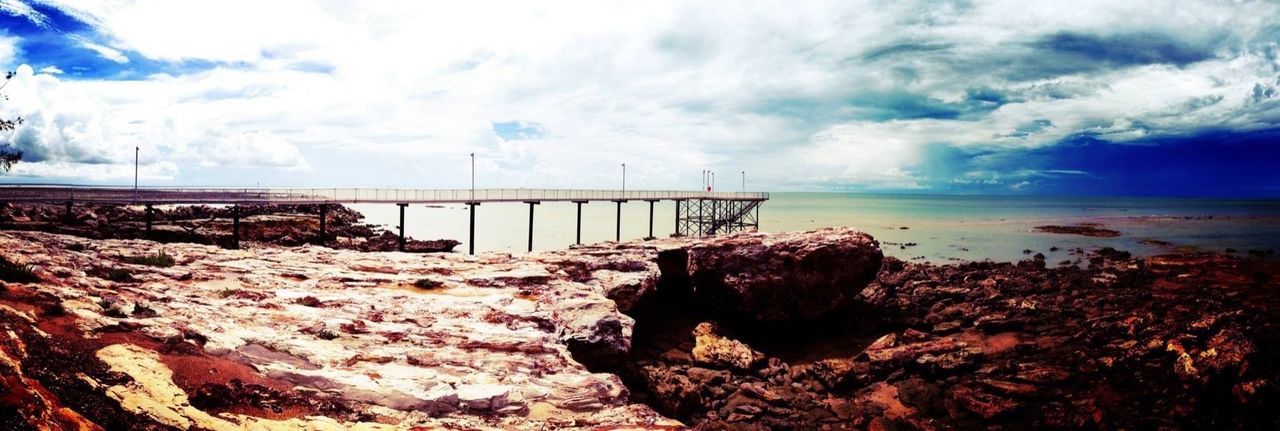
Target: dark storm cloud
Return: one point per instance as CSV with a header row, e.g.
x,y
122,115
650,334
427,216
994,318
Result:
x,y
1046,56
1123,49
879,106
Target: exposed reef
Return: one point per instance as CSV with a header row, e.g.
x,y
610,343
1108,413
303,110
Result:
x,y
813,330
1081,229
1175,341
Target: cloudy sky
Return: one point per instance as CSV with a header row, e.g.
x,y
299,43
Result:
x,y
1080,97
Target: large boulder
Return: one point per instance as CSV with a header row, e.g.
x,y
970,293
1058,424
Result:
x,y
783,276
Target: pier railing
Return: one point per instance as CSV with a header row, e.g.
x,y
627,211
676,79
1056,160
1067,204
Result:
x,y
219,195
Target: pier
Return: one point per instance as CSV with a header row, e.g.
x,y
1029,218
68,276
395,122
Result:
x,y
697,213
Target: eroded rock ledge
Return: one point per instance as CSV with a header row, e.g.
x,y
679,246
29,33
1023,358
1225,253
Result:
x,y
1168,342
315,338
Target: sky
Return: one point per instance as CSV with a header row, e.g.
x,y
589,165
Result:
x,y
1176,98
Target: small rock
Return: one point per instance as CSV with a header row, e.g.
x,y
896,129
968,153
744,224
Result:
x,y
714,349
483,397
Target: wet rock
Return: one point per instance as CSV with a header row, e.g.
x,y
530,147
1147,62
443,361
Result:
x,y
1084,230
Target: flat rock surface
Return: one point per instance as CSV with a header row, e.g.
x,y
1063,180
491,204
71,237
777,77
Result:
x,y
483,344
317,338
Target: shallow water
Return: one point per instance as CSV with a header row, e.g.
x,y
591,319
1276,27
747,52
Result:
x,y
945,228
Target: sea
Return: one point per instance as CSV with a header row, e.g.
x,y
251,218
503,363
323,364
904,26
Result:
x,y
923,228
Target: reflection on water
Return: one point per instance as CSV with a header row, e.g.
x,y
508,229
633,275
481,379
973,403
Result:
x,y
942,228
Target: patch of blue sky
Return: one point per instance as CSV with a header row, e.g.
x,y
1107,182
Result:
x,y
518,130
1215,162
59,41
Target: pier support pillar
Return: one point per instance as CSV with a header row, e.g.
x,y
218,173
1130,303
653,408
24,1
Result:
x,y
702,205
235,227
402,207
578,236
758,216
651,202
471,236
677,217
323,210
715,207
617,235
150,214
531,204
69,217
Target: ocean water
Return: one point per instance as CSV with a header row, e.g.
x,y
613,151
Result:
x,y
933,228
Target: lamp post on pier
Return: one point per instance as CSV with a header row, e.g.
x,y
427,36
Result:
x,y
135,174
471,208
624,178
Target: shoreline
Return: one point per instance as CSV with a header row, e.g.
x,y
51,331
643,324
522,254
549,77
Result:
x,y
279,225
922,346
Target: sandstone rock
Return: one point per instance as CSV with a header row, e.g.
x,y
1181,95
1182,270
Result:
x,y
116,306
783,277
344,325
595,324
716,350
982,403
625,288
890,356
483,397
1053,348
1184,366
834,372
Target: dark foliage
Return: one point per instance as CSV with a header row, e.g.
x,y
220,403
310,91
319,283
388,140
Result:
x,y
159,259
15,273
9,155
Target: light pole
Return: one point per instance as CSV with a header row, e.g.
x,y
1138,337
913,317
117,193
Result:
x,y
744,181
473,177
712,188
624,178
704,182
135,174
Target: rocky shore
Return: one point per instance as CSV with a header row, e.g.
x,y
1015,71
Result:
x,y
812,330
275,225
1171,342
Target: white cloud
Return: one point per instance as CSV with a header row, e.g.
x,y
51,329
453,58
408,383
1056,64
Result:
x,y
8,49
93,127
669,87
162,171
18,8
254,149
51,70
103,51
